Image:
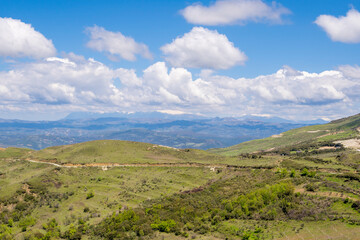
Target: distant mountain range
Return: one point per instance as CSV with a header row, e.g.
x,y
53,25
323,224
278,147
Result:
x,y
180,131
166,116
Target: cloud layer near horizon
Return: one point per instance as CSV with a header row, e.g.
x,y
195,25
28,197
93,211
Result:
x,y
74,83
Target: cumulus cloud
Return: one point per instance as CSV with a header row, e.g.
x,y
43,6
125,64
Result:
x,y
224,12
56,81
178,86
350,71
18,39
285,86
286,90
203,48
74,83
116,44
344,29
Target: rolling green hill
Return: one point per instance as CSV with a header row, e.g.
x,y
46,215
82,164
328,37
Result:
x,y
306,187
116,151
345,128
103,152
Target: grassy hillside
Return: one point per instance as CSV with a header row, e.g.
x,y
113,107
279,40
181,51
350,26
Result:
x,y
12,152
41,201
345,128
31,194
116,151
126,152
305,188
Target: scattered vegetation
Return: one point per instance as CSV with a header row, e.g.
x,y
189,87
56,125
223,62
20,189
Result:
x,y
303,188
300,139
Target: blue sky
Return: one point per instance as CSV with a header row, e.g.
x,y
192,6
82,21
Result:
x,y
243,78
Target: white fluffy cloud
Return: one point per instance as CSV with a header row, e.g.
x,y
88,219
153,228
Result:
x,y
116,44
18,39
203,48
350,71
224,12
57,81
341,29
74,83
290,86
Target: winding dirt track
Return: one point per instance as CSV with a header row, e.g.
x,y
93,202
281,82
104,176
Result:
x,y
106,165
212,167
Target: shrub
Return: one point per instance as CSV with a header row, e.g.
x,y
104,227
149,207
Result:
x,y
28,221
52,229
356,206
5,232
312,174
21,206
10,222
282,172
164,226
311,187
304,172
90,195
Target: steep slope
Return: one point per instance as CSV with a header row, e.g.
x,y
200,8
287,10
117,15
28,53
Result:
x,y
345,128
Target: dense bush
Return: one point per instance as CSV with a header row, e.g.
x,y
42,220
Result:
x,y
311,187
124,225
356,205
350,176
201,211
309,148
164,226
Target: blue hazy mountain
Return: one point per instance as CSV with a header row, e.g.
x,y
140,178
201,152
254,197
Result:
x,y
135,115
181,131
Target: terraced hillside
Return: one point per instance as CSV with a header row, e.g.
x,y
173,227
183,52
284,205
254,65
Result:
x,y
342,129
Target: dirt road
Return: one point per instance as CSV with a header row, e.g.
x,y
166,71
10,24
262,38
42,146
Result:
x,y
107,165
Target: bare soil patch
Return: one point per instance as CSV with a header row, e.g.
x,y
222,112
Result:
x,y
326,148
105,166
325,194
267,150
350,143
331,133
